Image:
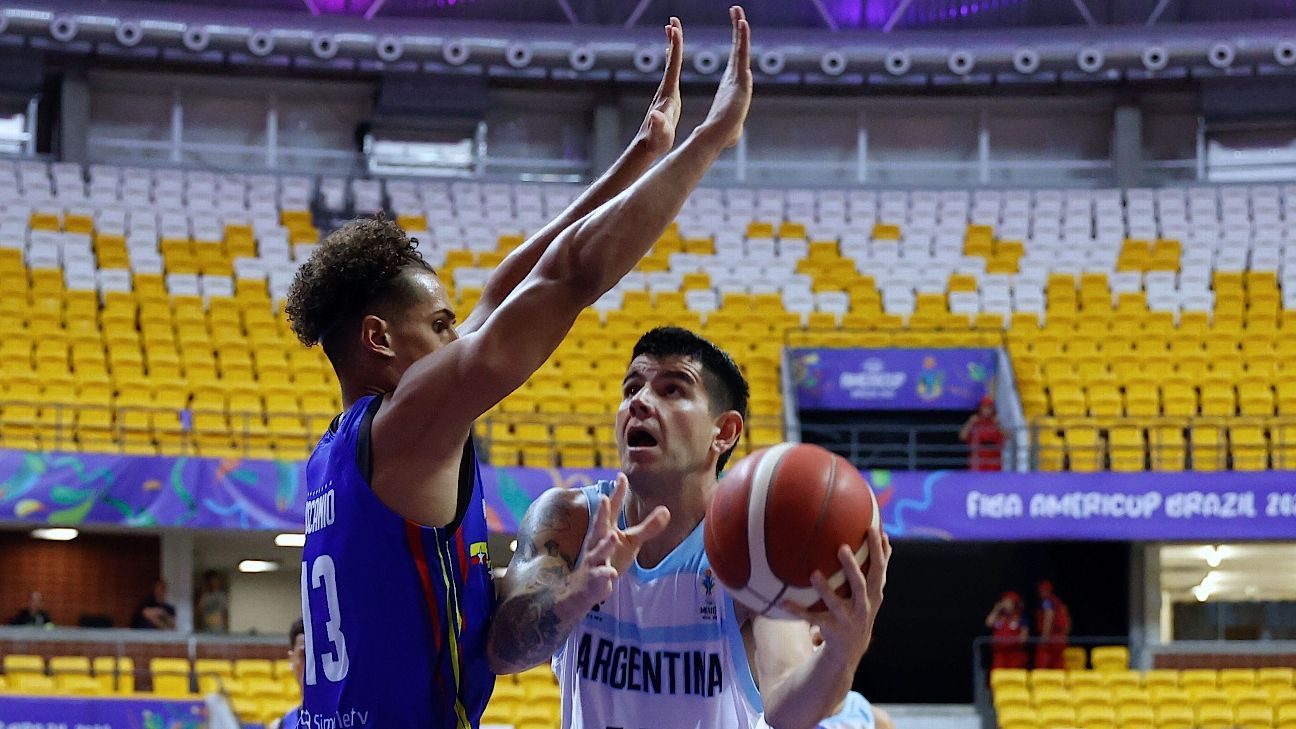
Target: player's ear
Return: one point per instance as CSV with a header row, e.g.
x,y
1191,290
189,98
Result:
x,y
375,335
729,428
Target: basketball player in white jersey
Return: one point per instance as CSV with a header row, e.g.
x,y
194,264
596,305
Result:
x,y
613,583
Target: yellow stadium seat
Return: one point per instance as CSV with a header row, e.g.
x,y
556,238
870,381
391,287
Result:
x,y
499,711
246,708
1047,677
1110,658
1274,679
1017,718
1208,449
114,675
1056,716
1215,716
253,668
22,663
1104,400
1174,716
1199,678
1084,448
1249,447
1096,717
1135,715
1081,677
1162,695
212,673
1126,448
1252,716
1163,677
1115,679
71,673
1091,696
170,676
32,683
1178,399
1218,399
1142,400
1241,696
1012,696
78,685
1007,677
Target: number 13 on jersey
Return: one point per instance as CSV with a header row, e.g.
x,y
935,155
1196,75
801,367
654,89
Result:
x,y
322,575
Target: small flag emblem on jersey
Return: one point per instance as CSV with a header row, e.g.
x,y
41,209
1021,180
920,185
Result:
x,y
478,554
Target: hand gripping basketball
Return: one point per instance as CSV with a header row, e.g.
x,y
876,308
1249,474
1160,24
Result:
x,y
610,549
847,624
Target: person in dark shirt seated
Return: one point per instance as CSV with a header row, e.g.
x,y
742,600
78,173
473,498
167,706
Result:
x,y
155,613
33,614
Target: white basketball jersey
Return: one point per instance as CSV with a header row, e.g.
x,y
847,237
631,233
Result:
x,y
665,651
856,713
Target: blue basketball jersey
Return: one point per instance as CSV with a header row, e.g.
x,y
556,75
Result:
x,y
395,613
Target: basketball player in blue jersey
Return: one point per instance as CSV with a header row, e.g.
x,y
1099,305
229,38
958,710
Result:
x,y
396,588
612,580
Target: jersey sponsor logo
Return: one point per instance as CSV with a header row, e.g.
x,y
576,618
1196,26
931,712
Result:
x,y
708,610
336,720
320,512
630,668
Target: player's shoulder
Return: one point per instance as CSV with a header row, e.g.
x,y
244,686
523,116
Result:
x,y
558,510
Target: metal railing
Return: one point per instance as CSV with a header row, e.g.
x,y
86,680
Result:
x,y
582,440
139,646
1201,443
910,447
135,429
1079,444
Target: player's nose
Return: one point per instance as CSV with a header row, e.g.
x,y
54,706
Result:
x,y
639,405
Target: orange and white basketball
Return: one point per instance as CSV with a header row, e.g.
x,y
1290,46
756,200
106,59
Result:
x,y
782,513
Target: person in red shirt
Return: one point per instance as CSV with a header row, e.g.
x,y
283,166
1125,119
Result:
x,y
984,438
1008,632
1053,623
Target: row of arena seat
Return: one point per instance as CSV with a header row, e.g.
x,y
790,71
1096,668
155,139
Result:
x,y
1158,699
161,329
258,689
528,700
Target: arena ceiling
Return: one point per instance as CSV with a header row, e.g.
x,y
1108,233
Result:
x,y
831,15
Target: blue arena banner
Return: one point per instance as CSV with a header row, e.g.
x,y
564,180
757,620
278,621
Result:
x,y
892,379
979,506
143,491
45,712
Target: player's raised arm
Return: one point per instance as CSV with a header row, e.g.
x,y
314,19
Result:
x,y
423,424
656,136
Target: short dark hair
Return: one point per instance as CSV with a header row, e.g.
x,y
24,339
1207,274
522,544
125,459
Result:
x,y
357,266
297,629
725,385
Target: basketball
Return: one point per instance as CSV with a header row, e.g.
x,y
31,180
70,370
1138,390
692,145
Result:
x,y
780,514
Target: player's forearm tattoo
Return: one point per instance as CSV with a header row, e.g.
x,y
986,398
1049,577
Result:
x,y
527,629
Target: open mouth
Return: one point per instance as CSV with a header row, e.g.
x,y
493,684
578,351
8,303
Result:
x,y
640,438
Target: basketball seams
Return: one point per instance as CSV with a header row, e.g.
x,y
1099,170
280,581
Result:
x,y
762,581
823,511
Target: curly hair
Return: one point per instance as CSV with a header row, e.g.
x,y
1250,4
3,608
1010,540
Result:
x,y
357,266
